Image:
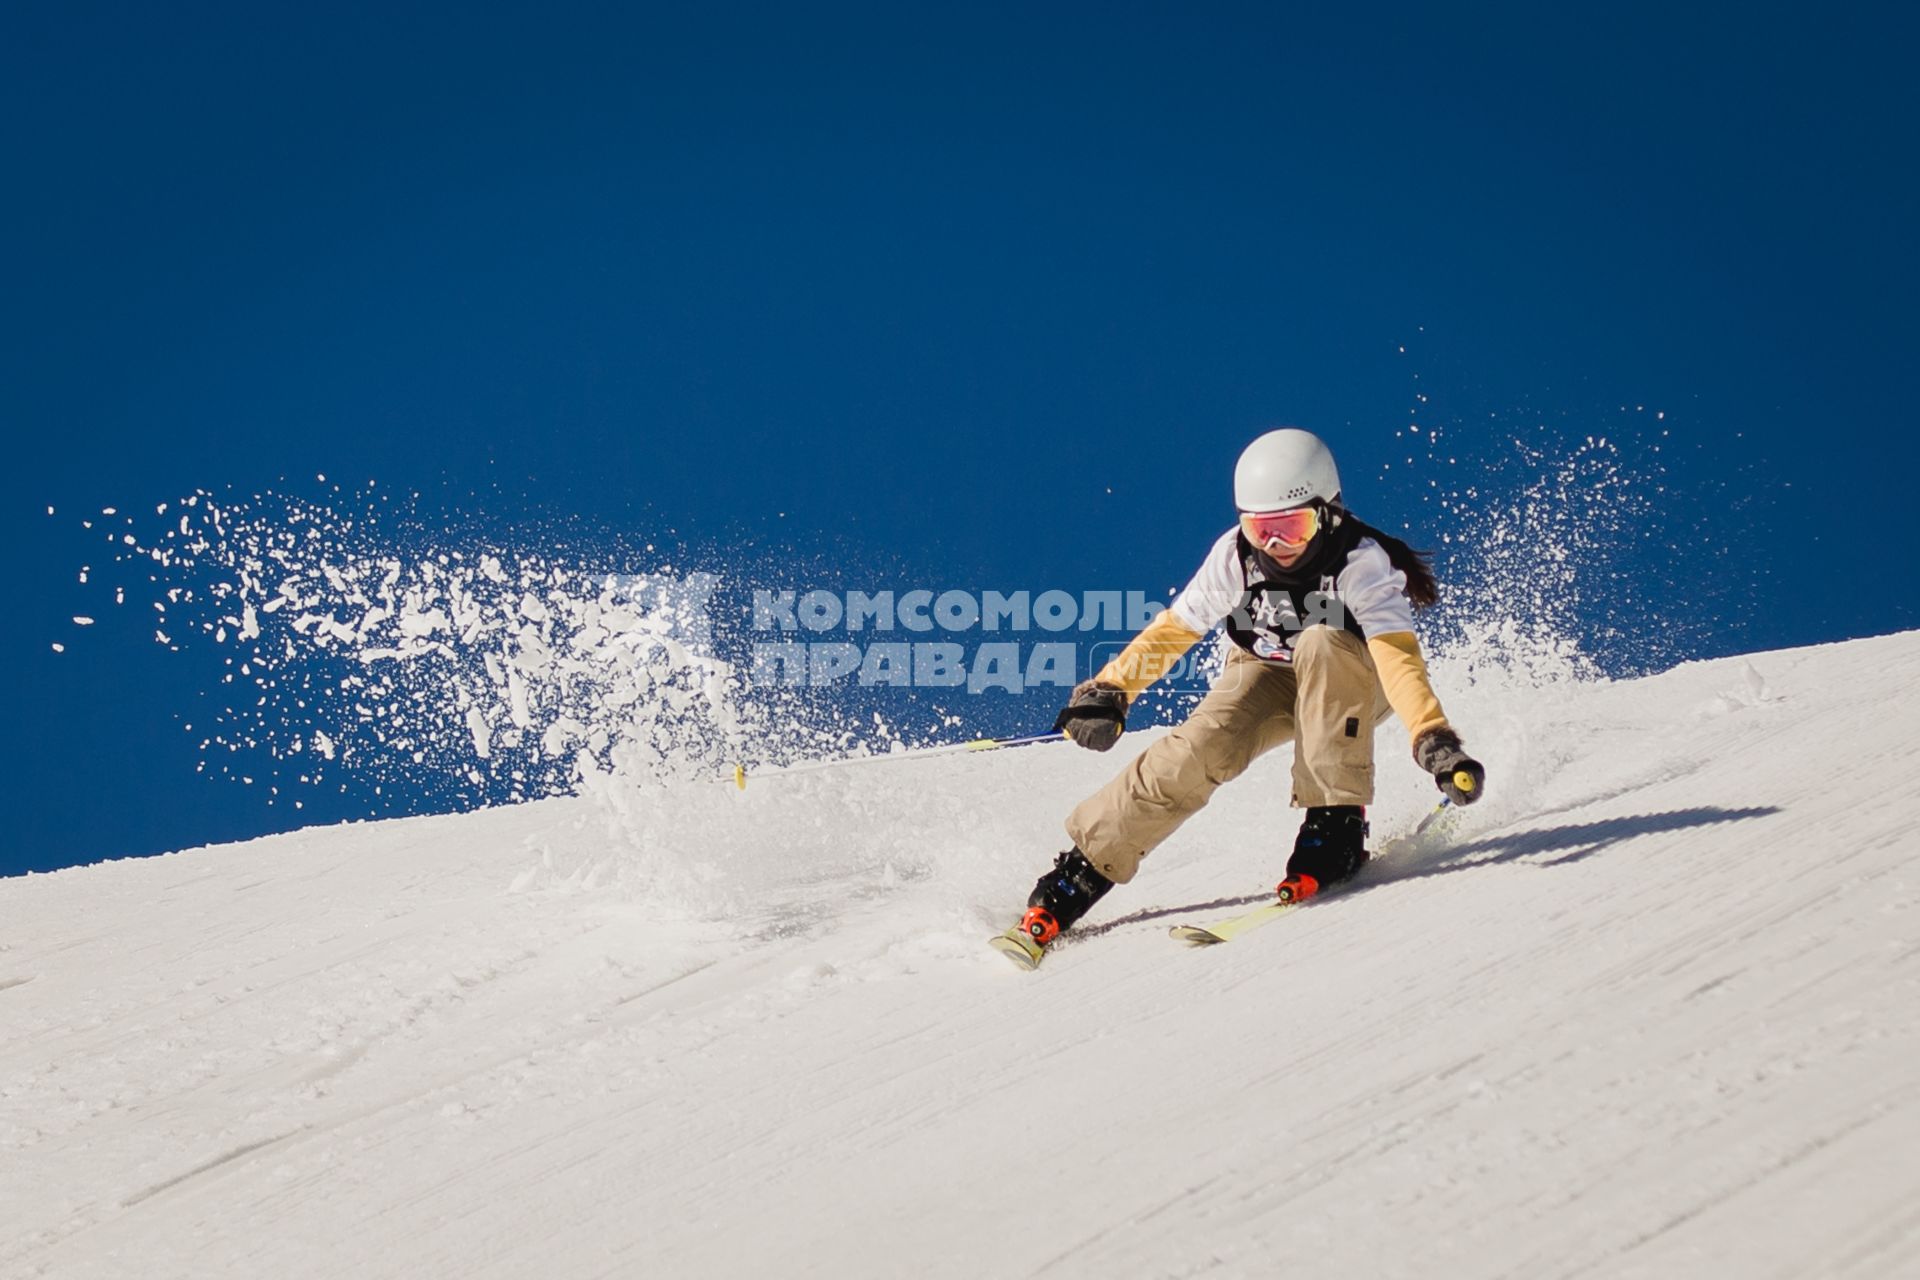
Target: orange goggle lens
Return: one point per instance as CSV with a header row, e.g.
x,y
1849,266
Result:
x,y
1288,529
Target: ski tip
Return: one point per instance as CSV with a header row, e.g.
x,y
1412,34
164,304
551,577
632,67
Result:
x,y
1017,947
1193,933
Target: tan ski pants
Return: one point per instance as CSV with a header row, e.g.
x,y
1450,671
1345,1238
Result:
x,y
1329,699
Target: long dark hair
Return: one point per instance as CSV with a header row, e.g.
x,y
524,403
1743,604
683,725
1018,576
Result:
x,y
1423,589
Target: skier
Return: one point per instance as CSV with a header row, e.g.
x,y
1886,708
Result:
x,y
1319,607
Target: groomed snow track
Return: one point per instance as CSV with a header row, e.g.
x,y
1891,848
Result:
x,y
1652,1009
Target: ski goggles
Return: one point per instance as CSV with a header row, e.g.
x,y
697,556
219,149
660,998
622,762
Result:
x,y
1287,530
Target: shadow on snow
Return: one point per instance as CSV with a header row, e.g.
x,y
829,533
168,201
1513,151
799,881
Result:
x,y
1569,842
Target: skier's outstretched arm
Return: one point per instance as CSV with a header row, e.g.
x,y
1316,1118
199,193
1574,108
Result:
x,y
1149,655
1403,674
1375,591
1436,747
1097,713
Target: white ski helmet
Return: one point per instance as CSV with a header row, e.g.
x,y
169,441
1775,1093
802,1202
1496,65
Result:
x,y
1285,468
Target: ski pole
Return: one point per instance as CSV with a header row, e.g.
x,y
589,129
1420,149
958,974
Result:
x,y
1427,821
739,775
1461,780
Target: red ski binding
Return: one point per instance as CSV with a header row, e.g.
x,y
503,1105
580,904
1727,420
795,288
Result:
x,y
1297,888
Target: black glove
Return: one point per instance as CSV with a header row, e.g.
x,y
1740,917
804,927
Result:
x,y
1439,752
1095,717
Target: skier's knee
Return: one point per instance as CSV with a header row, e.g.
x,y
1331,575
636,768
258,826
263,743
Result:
x,y
1220,753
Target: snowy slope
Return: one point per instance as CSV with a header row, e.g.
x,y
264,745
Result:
x,y
1652,1009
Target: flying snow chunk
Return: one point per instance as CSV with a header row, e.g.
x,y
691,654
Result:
x,y
80,621
482,740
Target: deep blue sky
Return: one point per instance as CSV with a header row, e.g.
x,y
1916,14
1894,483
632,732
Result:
x,y
931,283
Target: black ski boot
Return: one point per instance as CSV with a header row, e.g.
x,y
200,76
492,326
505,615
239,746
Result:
x,y
1331,848
1059,899
1062,896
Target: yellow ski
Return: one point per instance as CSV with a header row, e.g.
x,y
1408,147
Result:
x,y
1205,935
